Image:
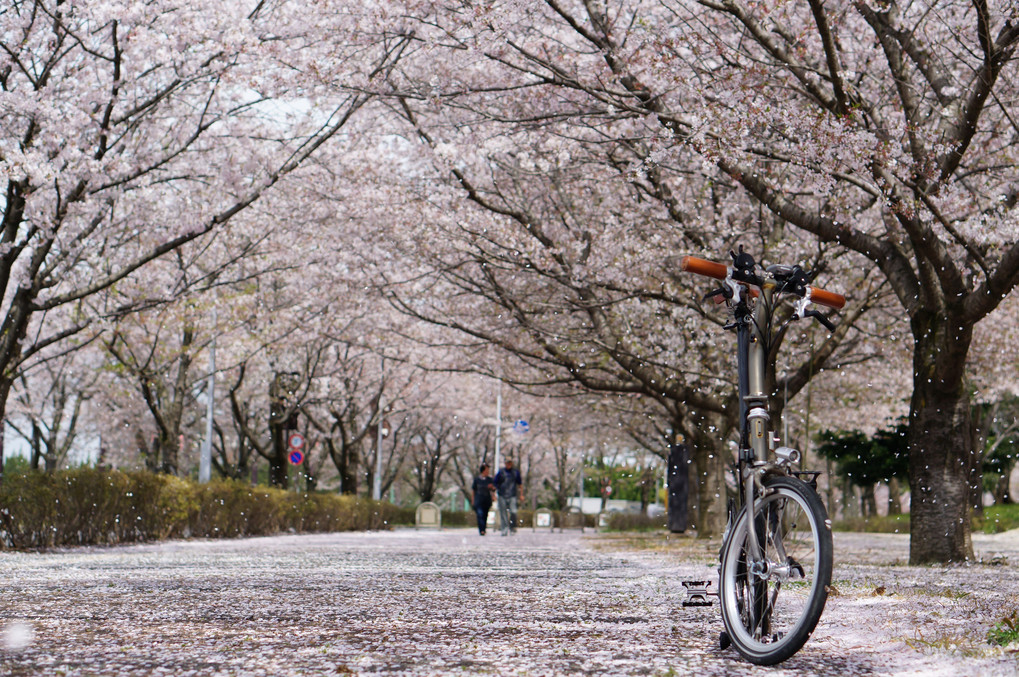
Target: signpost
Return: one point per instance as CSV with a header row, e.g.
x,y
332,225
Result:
x,y
296,448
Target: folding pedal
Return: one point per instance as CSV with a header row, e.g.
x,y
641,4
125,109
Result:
x,y
697,593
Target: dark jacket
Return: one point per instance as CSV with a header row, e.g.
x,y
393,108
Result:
x,y
482,490
507,483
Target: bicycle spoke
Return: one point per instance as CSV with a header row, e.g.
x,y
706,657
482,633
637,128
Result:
x,y
778,599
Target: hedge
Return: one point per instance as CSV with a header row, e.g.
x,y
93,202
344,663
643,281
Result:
x,y
525,520
88,506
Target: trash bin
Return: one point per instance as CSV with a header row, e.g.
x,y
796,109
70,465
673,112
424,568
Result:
x,y
679,487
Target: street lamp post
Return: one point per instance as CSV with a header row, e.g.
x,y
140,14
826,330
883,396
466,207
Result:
x,y
205,458
377,480
498,424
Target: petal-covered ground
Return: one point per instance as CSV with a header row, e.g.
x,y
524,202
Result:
x,y
453,603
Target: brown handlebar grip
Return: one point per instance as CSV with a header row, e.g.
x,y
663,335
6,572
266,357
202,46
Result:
x,y
825,298
692,264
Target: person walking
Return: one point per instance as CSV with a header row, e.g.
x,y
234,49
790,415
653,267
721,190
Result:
x,y
481,496
509,488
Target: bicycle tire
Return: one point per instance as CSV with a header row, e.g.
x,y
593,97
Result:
x,y
766,618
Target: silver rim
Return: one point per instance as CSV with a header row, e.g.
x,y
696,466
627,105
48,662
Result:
x,y
765,611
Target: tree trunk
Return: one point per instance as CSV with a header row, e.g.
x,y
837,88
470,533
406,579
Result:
x,y
869,501
647,488
894,497
850,506
5,391
149,455
708,451
169,446
1002,495
344,457
36,447
278,471
678,482
49,459
310,480
278,415
940,456
347,468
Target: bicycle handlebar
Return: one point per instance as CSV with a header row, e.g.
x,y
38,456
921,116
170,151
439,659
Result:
x,y
825,298
719,271
692,264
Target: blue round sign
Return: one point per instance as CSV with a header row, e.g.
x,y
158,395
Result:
x,y
521,426
296,457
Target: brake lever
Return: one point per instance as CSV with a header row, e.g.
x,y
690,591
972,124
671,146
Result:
x,y
714,295
802,312
819,316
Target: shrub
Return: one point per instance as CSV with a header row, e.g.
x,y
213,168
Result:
x,y
88,506
636,521
461,518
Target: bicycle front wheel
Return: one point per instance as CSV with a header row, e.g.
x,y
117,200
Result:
x,y
771,605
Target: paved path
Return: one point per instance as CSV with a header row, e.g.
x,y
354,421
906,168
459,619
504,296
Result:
x,y
451,603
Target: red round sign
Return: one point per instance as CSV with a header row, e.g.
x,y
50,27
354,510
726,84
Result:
x,y
296,457
296,441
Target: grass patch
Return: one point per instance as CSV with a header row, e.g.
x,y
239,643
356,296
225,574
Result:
x,y
631,521
998,518
882,524
954,643
1005,631
690,549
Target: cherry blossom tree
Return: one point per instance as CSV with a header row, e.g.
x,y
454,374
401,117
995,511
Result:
x,y
476,446
163,376
550,236
347,417
886,129
431,448
49,404
130,129
900,118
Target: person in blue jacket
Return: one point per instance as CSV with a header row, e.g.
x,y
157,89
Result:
x,y
509,489
481,496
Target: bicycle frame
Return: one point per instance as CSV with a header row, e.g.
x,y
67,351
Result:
x,y
751,365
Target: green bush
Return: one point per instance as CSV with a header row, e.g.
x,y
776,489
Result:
x,y
636,521
87,506
525,519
